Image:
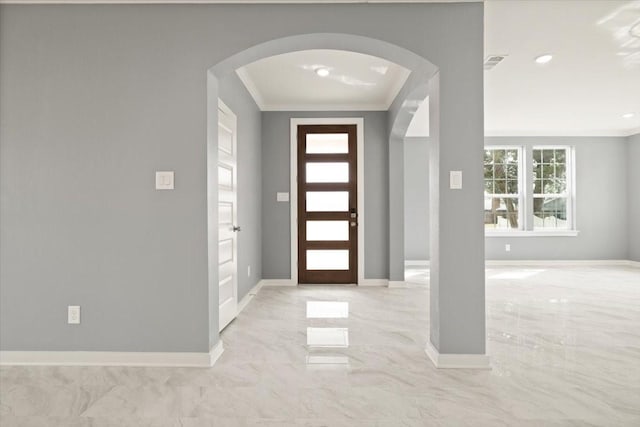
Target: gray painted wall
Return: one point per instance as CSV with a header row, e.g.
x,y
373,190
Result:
x,y
633,186
97,98
601,175
235,96
276,247
601,214
401,113
416,199
94,101
457,315
396,215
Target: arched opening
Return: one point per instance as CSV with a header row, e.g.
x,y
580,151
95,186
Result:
x,y
400,113
422,83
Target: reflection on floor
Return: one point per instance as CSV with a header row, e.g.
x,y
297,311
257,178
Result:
x,y
416,275
564,343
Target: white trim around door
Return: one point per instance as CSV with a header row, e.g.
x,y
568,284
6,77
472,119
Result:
x,y
293,187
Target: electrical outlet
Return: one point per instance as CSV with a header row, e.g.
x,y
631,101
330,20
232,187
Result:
x,y
73,315
507,247
248,271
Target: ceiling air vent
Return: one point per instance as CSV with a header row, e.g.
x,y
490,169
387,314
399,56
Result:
x,y
492,61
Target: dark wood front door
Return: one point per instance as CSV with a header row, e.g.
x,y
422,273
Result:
x,y
327,204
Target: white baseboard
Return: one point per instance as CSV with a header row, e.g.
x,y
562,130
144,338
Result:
x,y
249,296
397,284
529,262
112,358
457,361
564,263
215,352
418,263
363,283
408,285
276,282
374,282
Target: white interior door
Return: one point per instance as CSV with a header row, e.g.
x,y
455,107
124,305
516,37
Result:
x,y
227,216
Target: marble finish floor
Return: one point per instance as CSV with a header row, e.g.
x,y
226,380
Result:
x,y
564,344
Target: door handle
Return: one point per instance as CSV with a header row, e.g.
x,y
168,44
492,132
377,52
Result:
x,y
236,228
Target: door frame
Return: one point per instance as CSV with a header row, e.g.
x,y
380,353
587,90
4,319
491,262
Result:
x,y
293,187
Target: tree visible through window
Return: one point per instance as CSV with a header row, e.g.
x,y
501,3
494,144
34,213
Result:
x,y
550,188
501,188
541,201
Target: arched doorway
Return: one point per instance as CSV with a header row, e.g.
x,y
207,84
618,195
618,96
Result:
x,y
424,81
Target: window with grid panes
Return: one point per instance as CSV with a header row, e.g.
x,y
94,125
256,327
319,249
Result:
x,y
550,188
502,189
544,203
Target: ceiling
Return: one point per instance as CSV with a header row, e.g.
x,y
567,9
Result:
x,y
354,81
592,81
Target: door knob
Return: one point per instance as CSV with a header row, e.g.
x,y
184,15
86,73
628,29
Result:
x,y
353,223
236,228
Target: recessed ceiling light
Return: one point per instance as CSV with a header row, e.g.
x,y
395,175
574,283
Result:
x,y
543,59
322,71
628,115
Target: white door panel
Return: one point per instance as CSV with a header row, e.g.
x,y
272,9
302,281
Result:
x,y
227,216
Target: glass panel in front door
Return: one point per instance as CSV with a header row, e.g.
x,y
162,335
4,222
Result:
x,y
328,172
327,201
324,143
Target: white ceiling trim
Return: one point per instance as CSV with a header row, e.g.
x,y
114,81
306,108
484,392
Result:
x,y
394,90
568,132
251,87
324,107
226,1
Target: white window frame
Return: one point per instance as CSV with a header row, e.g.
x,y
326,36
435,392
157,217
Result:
x,y
526,187
521,189
569,192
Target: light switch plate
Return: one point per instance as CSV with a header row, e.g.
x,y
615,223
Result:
x,y
164,180
73,315
282,197
455,180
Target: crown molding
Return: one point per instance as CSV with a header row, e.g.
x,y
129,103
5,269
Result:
x,y
251,87
397,86
563,132
324,107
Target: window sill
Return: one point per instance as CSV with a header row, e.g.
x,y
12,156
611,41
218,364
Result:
x,y
533,233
